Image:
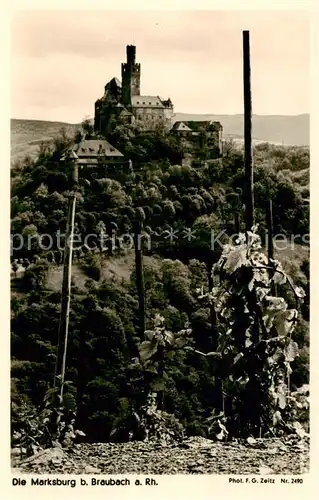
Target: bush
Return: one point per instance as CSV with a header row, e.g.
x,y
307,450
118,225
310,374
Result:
x,y
35,275
159,425
92,267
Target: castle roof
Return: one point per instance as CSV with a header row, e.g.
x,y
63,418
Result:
x,y
208,125
112,90
90,150
113,82
146,101
118,82
181,127
216,125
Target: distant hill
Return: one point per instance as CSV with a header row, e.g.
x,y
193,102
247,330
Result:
x,y
277,129
26,135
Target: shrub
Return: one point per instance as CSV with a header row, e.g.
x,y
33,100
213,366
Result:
x,y
92,267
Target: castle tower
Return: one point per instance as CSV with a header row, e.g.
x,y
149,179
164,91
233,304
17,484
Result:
x,y
131,76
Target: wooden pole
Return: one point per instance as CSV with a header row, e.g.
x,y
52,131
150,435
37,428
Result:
x,y
139,274
249,182
237,222
270,242
66,291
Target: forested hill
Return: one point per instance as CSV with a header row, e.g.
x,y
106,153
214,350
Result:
x,y
26,135
158,345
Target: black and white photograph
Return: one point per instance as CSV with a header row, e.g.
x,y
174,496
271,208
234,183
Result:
x,y
159,246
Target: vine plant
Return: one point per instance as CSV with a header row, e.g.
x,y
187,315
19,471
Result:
x,y
49,426
255,346
161,344
158,346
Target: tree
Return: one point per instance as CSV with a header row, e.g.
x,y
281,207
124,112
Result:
x,y
88,128
35,275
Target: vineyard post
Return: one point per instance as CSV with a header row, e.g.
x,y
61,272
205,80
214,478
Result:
x,y
237,212
213,319
66,287
139,273
249,192
249,182
237,222
270,242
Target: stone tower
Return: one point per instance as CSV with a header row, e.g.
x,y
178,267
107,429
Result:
x,y
131,76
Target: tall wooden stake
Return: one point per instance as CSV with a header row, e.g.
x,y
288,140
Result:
x,y
237,222
66,291
249,182
139,274
270,242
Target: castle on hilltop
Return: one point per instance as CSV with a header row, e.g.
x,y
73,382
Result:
x,y
123,100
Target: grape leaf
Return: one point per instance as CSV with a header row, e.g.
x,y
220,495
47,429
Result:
x,y
147,349
276,303
300,292
279,278
236,259
291,351
284,321
169,337
300,431
149,334
152,369
157,385
276,417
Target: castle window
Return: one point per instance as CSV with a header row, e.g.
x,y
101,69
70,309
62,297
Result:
x,y
143,102
137,102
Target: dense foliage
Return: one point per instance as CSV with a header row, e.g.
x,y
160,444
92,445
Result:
x,y
201,350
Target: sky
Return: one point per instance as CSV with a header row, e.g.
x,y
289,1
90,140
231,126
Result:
x,y
61,60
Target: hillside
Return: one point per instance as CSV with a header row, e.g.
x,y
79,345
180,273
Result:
x,y
287,130
26,135
152,352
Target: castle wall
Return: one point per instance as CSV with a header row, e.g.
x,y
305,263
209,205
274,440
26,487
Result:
x,y
153,117
168,115
145,113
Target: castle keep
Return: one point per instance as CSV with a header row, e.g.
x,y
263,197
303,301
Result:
x,y
131,77
124,100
